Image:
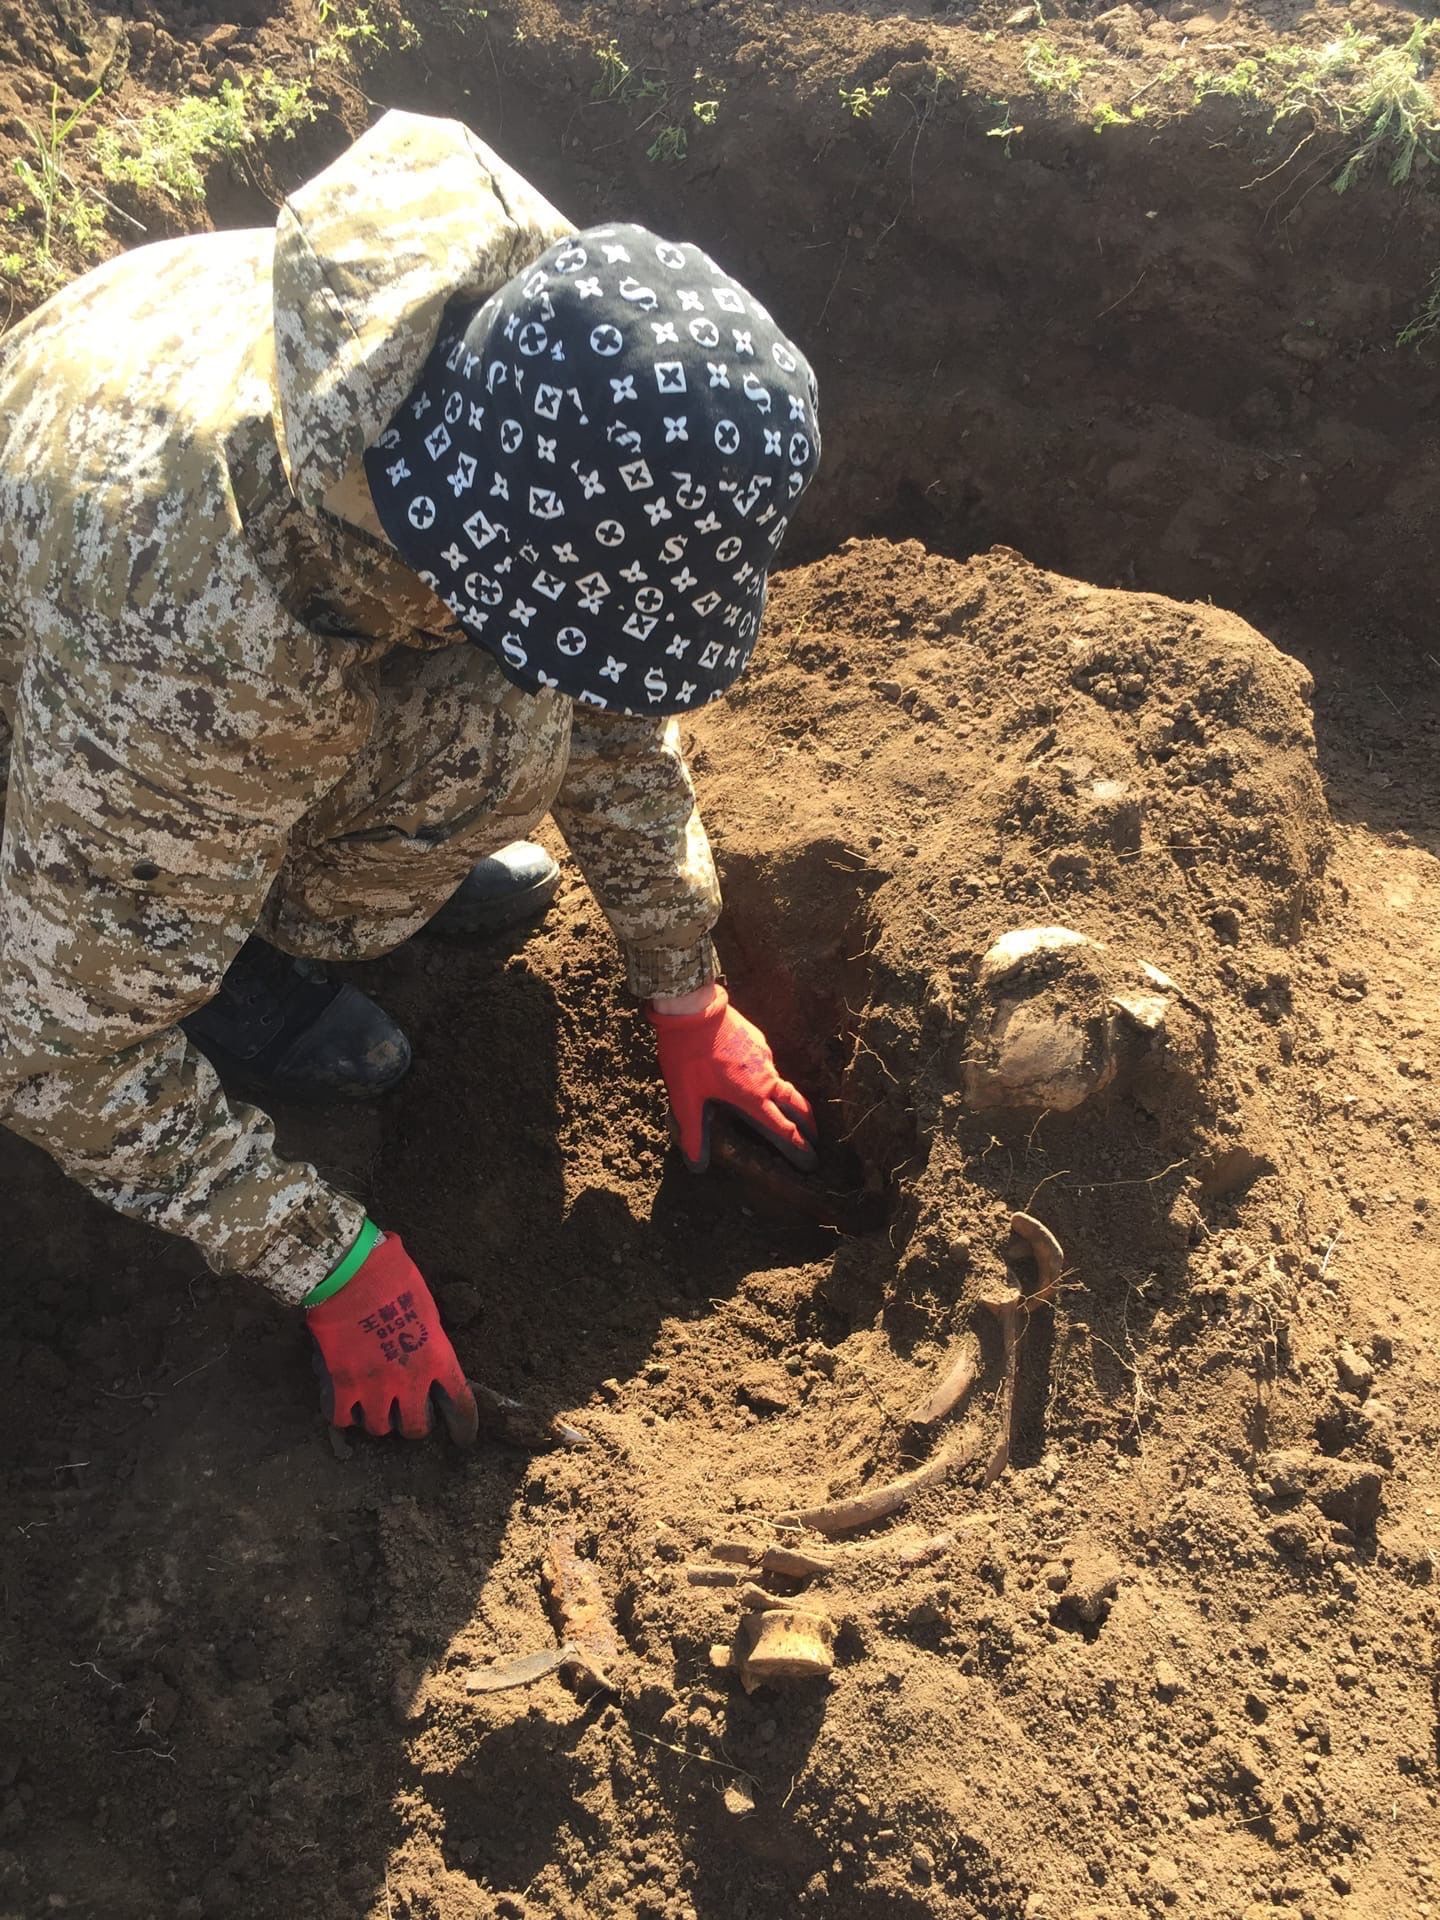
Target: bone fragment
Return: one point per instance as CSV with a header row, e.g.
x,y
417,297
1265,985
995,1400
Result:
x,y
712,1576
527,1668
951,1388
1046,1252
786,1643
794,1564
745,1553
877,1503
582,1618
924,1551
756,1599
1007,1310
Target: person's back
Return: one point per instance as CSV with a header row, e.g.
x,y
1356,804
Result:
x,y
130,405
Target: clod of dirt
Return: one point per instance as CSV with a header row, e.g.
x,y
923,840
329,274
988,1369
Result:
x,y
1357,1376
1347,1492
1169,1681
764,1390
515,1425
1093,1582
784,1644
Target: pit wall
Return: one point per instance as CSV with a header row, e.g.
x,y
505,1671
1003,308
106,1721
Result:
x,y
1128,354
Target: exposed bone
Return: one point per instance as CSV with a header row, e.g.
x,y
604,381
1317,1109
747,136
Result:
x,y
527,1668
755,1599
745,1553
950,1389
1046,1251
794,1564
1023,947
582,1618
924,1551
813,1563
785,1644
712,1576
1039,1037
877,1503
1144,1010
1008,1309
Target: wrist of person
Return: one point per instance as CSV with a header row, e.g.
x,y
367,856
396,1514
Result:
x,y
698,1000
366,1241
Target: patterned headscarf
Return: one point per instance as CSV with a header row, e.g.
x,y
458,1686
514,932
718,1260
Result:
x,y
595,468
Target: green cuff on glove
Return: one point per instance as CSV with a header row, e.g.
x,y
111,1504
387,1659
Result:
x,y
348,1267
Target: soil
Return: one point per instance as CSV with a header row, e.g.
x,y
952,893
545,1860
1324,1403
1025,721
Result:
x,y
1180,1655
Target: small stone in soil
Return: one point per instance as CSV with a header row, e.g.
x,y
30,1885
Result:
x,y
1357,1376
1168,1680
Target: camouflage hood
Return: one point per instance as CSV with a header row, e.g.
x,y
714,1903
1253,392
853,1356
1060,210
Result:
x,y
418,213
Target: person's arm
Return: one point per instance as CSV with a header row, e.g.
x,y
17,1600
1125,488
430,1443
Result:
x,y
149,807
627,811
147,815
150,1132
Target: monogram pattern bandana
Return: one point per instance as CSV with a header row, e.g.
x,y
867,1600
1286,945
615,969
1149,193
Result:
x,y
595,469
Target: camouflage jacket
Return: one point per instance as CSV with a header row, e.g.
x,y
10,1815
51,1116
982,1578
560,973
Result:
x,y
194,602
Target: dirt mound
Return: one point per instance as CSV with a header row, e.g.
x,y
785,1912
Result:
x,y
1105,1679
956,751
1172,1658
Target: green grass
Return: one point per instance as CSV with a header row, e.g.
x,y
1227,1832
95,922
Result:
x,y
1394,110
65,208
669,146
656,104
352,31
1052,71
165,153
1379,97
859,102
619,81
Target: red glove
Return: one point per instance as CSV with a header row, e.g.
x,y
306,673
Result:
x,y
717,1057
384,1354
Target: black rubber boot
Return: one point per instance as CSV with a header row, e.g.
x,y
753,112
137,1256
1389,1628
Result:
x,y
516,884
284,1026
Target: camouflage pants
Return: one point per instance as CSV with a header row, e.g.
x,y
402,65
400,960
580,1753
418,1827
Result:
x,y
458,763
128,884
102,954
